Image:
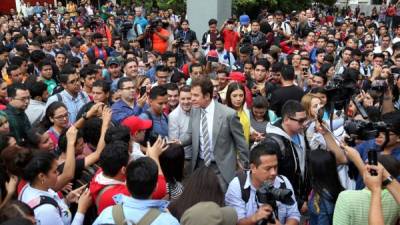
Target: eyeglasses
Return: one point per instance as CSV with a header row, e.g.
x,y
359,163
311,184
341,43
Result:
x,y
60,117
300,121
24,99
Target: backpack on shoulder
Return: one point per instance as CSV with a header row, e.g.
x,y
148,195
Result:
x,y
119,216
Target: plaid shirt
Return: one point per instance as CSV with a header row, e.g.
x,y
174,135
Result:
x,y
19,123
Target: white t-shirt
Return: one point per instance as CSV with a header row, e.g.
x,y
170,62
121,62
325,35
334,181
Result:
x,y
48,214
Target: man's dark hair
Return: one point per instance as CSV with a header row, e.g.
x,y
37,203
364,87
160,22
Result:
x,y
205,85
121,133
194,65
172,87
141,177
157,91
369,42
17,60
348,49
379,55
36,89
12,89
92,130
162,68
37,56
287,72
87,70
105,86
123,80
290,108
266,147
319,51
65,73
260,102
331,42
45,62
60,53
185,88
114,156
167,55
264,63
11,68
212,21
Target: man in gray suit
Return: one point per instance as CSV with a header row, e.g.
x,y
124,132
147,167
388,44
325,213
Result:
x,y
215,133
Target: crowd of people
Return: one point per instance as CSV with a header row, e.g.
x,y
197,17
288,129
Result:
x,y
124,115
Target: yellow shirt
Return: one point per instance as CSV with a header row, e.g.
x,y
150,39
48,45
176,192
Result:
x,y
245,121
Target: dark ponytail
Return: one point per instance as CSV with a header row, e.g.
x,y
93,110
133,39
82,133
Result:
x,y
41,162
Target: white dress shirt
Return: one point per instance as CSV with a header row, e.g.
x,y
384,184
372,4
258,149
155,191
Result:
x,y
210,120
178,123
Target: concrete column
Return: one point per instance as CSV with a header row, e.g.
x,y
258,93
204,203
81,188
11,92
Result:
x,y
199,12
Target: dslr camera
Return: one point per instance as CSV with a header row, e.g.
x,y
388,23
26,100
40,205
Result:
x,y
363,130
268,194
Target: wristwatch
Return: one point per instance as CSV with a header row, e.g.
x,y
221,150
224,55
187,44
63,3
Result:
x,y
84,116
387,181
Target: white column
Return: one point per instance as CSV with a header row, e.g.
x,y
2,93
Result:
x,y
199,12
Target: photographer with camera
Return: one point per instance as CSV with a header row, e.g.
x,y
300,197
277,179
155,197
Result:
x,y
387,141
158,36
261,196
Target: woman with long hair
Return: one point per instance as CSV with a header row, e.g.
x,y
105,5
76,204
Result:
x,y
203,182
41,173
39,138
325,185
55,120
235,99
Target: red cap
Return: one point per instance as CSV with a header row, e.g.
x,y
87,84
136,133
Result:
x,y
237,76
136,124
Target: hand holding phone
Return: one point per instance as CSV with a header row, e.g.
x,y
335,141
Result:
x,y
373,160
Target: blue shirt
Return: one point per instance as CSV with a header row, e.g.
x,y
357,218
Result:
x,y
233,198
160,123
151,74
74,104
135,209
363,149
121,110
142,21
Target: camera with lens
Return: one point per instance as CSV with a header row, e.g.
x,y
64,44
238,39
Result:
x,y
154,23
268,194
126,26
363,130
179,42
342,87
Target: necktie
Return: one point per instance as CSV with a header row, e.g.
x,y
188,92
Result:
x,y
206,138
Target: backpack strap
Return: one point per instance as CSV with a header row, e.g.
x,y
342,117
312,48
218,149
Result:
x,y
59,97
149,217
101,192
43,200
283,184
280,142
85,100
242,176
118,215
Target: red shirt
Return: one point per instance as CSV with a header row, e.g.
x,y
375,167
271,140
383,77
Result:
x,y
107,196
231,39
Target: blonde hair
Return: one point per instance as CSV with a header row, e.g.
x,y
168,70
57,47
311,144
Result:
x,y
306,103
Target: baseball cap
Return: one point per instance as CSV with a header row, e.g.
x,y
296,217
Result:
x,y
112,60
237,76
244,19
136,124
209,213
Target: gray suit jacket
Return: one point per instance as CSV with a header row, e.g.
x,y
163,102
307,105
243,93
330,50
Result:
x,y
227,139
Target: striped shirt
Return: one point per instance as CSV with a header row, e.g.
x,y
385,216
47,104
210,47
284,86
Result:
x,y
352,208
